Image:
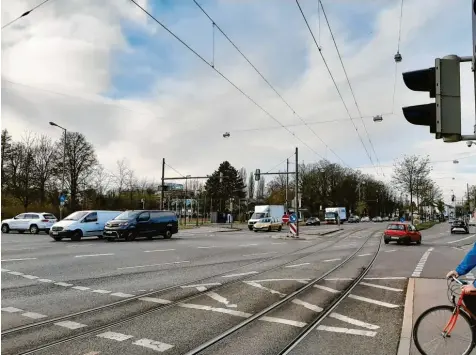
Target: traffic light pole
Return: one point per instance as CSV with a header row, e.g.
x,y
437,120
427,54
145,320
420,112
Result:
x,y
296,197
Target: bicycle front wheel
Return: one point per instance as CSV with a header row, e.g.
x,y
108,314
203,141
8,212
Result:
x,y
428,332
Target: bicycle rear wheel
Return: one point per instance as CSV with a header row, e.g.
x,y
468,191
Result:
x,y
428,329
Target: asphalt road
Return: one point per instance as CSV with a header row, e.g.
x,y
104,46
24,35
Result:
x,y
42,279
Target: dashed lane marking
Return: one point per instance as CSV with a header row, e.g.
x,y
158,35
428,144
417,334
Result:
x,y
114,336
365,254
247,245
90,255
141,266
328,289
381,287
122,295
4,270
329,260
16,273
459,240
347,331
274,280
31,277
155,300
4,260
64,284
256,254
70,325
11,309
209,247
157,250
421,263
297,265
154,345
81,288
242,274
33,315
102,291
390,251
278,243
283,321
48,281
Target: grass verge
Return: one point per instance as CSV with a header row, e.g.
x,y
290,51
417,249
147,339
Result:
x,y
425,225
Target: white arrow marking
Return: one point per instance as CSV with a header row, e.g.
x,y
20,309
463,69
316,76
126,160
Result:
x,y
255,284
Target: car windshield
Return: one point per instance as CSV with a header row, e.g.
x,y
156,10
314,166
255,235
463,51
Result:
x,y
265,220
396,227
330,215
76,216
49,216
258,215
127,215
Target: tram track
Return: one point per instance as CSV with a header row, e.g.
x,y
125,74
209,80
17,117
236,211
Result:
x,y
10,336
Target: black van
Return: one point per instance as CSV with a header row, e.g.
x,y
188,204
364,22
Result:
x,y
130,225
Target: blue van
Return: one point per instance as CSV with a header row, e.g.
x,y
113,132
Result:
x,y
133,224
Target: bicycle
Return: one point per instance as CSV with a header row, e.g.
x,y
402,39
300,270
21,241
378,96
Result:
x,y
450,329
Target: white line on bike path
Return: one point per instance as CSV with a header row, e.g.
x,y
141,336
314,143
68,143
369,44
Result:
x,y
421,263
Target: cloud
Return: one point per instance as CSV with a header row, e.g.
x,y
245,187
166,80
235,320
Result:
x,y
106,70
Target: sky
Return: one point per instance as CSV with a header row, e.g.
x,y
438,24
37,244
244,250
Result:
x,y
106,70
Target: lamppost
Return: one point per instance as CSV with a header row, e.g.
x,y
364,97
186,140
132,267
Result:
x,y
185,199
64,166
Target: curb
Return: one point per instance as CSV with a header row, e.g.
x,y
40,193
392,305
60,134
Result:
x,y
406,334
231,230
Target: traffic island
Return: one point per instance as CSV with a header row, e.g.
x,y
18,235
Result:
x,y
302,236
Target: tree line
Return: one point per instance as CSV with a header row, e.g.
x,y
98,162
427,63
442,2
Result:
x,y
32,178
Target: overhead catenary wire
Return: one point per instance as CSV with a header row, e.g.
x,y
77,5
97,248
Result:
x,y
223,76
266,80
26,13
277,165
182,175
335,83
348,82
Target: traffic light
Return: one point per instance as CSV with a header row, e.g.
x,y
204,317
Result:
x,y
257,174
442,82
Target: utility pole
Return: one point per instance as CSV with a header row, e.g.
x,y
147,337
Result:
x,y
286,205
162,185
296,197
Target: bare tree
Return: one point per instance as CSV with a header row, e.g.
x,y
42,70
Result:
x,y
409,173
6,151
100,180
122,173
251,186
80,163
131,183
45,155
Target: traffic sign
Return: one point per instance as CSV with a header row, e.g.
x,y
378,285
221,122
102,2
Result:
x,y
62,198
402,219
285,218
293,218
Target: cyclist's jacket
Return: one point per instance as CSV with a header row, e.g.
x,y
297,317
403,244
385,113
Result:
x,y
468,263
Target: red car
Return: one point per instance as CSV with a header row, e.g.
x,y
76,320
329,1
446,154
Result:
x,y
401,233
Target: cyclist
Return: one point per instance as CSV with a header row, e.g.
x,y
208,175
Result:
x,y
466,265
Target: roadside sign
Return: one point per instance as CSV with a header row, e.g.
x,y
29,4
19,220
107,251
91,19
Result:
x,y
293,229
293,218
62,198
402,219
285,218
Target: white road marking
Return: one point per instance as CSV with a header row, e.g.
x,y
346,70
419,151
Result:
x,y
297,265
17,259
215,309
386,278
101,291
63,284
11,309
329,260
114,336
390,251
155,300
283,321
45,280
141,266
212,246
78,245
278,243
272,252
257,285
201,288
221,299
154,345
123,295
365,254
4,270
93,353
81,288
307,305
382,287
370,300
247,245
86,256
459,240
421,263
31,277
272,280
242,274
210,284
70,325
16,273
347,331
328,289
353,321
33,315
157,250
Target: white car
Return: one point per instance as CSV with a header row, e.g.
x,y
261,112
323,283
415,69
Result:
x,y
365,219
34,222
472,222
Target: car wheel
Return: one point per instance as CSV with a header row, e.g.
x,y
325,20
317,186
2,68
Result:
x,y
168,234
77,235
269,229
250,228
130,236
418,241
386,241
34,229
255,231
5,228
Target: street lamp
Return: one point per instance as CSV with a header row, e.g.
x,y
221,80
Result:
x,y
64,165
185,199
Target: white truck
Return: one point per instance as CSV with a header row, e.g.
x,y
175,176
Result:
x,y
265,211
331,214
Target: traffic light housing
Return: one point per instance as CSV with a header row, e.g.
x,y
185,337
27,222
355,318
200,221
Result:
x,y
257,174
442,82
